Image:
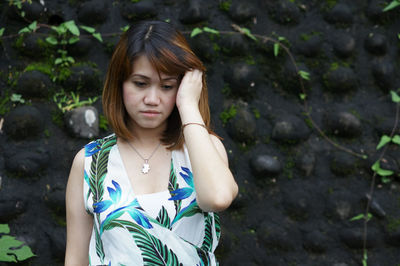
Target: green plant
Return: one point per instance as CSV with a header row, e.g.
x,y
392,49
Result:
x,y
197,31
11,249
103,123
228,114
225,5
18,5
277,45
66,102
17,98
392,5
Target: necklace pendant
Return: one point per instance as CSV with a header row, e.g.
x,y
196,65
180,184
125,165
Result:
x,y
145,168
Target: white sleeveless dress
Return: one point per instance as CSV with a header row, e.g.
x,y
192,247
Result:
x,y
164,228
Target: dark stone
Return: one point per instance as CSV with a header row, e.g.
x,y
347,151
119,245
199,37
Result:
x,y
83,78
306,163
34,84
340,14
10,209
353,237
342,124
265,165
376,14
342,79
296,205
376,43
291,79
57,237
193,11
275,237
310,47
234,44
344,44
55,199
290,128
315,242
23,122
27,163
393,238
32,45
144,9
286,13
242,11
339,206
83,122
242,127
383,72
203,47
375,207
343,163
33,11
242,80
82,47
93,12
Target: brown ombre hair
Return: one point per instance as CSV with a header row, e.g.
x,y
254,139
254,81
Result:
x,y
169,53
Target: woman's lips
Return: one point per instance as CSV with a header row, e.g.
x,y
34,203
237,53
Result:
x,y
150,113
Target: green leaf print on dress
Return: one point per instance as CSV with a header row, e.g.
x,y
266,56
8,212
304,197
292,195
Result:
x,y
154,252
99,151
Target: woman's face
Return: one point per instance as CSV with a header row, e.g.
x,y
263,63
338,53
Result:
x,y
148,100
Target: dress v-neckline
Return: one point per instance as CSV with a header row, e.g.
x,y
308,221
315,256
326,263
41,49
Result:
x,y
128,180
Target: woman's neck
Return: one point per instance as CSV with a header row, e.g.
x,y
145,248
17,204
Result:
x,y
147,136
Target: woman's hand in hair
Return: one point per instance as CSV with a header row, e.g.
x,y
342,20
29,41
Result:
x,y
189,90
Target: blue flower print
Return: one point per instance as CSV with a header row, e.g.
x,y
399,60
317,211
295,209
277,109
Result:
x,y
115,195
134,211
183,193
92,148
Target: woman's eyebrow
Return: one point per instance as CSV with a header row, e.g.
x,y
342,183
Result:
x,y
140,76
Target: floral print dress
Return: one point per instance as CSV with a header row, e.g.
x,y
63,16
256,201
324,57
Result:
x,y
164,228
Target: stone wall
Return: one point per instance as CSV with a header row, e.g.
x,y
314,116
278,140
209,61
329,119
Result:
x,y
298,192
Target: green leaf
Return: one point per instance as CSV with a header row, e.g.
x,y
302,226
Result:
x,y
247,32
52,40
302,96
58,61
33,26
365,258
209,30
71,26
391,6
73,40
357,217
382,172
384,140
305,75
98,36
4,229
11,248
195,32
125,28
26,29
276,49
88,29
1,31
396,139
385,180
395,97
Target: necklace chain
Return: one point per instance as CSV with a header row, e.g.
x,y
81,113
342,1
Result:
x,y
146,166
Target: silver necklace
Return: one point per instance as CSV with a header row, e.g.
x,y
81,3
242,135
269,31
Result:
x,y
146,165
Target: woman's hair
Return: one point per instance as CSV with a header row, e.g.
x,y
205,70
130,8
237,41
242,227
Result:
x,y
169,53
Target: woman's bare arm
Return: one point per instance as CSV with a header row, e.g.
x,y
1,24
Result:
x,y
79,222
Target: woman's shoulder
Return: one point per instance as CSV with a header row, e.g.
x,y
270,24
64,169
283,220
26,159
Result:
x,y
95,145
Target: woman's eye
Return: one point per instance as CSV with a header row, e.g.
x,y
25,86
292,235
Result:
x,y
167,87
139,83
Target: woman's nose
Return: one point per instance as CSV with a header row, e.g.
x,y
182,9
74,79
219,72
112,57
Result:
x,y
152,97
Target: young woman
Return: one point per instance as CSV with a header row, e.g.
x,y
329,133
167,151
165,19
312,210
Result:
x,y
147,195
